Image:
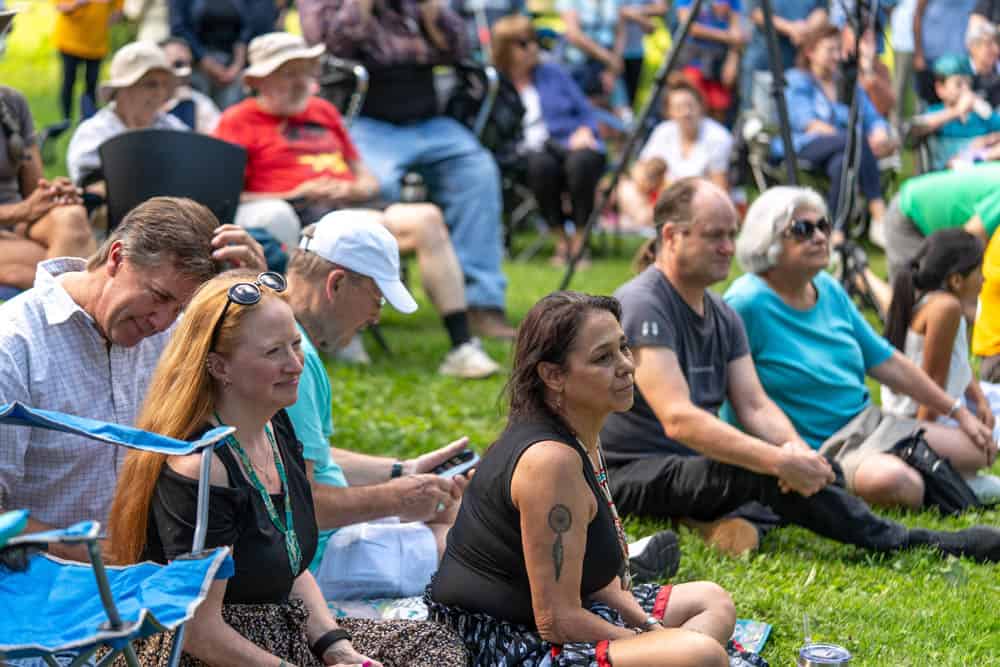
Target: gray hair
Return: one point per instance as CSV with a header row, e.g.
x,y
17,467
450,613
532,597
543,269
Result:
x,y
981,32
758,247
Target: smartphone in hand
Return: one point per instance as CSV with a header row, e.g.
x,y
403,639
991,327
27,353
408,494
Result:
x,y
458,464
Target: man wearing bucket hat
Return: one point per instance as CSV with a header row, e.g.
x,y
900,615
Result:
x,y
401,129
301,163
345,266
141,81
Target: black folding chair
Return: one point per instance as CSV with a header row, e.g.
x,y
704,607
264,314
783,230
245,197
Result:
x,y
141,164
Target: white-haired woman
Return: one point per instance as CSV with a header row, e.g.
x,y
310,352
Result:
x,y
813,350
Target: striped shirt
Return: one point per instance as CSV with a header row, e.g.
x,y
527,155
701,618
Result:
x,y
52,356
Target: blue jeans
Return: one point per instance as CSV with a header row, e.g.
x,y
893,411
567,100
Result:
x,y
461,178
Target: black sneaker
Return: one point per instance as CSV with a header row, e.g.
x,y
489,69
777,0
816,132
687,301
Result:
x,y
980,543
655,557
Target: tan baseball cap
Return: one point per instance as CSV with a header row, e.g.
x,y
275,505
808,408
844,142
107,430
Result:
x,y
131,62
269,52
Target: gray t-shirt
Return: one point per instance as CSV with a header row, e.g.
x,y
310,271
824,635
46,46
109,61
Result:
x,y
17,113
655,315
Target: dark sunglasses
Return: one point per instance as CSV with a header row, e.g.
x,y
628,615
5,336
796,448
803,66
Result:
x,y
247,294
803,230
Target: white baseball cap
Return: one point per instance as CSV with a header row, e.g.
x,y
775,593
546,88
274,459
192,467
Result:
x,y
364,246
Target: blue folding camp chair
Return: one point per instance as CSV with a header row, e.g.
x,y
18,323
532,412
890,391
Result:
x,y
64,612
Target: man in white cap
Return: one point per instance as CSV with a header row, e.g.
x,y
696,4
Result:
x,y
299,153
345,267
141,81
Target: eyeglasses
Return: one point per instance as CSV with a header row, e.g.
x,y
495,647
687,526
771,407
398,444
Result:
x,y
247,294
375,294
803,230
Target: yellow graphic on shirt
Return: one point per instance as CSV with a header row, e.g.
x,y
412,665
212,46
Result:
x,y
332,162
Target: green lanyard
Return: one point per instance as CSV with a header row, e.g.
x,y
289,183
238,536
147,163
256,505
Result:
x,y
287,529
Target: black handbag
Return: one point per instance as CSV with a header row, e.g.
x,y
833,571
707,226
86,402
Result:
x,y
944,488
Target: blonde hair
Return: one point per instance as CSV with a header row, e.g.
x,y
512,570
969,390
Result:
x,y
506,32
180,398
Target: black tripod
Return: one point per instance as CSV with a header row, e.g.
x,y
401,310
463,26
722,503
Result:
x,y
853,260
642,123
638,133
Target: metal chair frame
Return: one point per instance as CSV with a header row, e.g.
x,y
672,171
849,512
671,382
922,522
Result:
x,y
88,533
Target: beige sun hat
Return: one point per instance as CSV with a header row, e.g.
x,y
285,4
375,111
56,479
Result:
x,y
269,52
131,62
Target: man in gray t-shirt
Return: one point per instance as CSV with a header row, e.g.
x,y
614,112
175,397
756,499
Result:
x,y
655,315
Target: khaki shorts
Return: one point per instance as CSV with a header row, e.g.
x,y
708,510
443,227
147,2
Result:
x,y
902,239
870,432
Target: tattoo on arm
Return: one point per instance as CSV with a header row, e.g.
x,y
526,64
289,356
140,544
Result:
x,y
560,521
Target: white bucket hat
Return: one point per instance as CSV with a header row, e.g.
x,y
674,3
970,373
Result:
x,y
131,62
269,52
364,246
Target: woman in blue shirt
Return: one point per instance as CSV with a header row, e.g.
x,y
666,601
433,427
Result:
x,y
819,120
813,350
561,150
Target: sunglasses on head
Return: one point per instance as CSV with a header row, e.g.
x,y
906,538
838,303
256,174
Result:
x,y
803,230
247,294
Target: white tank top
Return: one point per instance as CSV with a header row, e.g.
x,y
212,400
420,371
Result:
x,y
959,369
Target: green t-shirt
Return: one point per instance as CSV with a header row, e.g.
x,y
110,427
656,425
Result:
x,y
312,417
947,199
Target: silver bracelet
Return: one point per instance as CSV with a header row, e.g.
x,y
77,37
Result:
x,y
955,407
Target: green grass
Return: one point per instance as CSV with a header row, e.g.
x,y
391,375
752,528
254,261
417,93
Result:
x,y
912,609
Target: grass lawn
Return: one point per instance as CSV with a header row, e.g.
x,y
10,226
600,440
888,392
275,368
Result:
x,y
893,611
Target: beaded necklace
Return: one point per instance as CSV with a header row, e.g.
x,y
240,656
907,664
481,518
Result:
x,y
602,481
286,527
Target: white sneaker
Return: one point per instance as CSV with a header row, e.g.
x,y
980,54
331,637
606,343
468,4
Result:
x,y
986,488
876,233
354,352
468,361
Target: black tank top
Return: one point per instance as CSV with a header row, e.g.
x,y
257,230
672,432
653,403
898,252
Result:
x,y
483,566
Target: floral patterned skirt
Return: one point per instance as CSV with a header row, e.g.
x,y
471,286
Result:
x,y
495,643
280,630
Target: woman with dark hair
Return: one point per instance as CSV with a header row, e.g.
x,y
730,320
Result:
x,y
819,118
536,564
561,150
926,321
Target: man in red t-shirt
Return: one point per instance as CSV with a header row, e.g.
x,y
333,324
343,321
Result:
x,y
301,164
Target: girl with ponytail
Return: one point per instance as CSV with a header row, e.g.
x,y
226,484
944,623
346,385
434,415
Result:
x,y
927,323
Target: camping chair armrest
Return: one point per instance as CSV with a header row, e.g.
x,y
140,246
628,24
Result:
x,y
85,531
491,80
338,67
